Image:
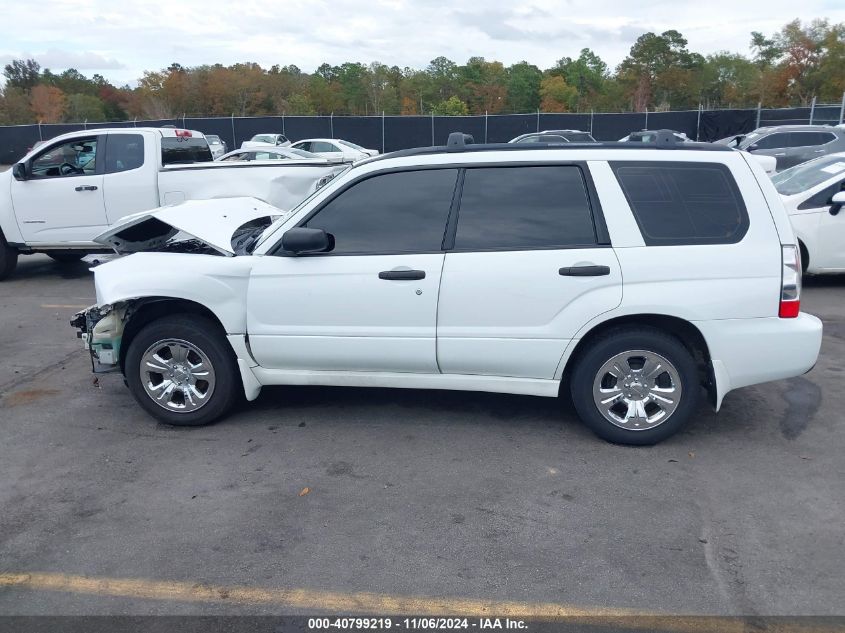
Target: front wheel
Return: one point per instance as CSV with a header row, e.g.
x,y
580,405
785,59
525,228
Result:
x,y
635,386
182,371
8,258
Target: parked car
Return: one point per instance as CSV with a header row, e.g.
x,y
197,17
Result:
x,y
336,149
504,268
650,136
270,153
266,140
555,136
794,144
217,145
813,194
59,197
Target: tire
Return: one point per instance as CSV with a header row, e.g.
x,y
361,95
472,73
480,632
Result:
x,y
196,338
8,258
636,351
66,258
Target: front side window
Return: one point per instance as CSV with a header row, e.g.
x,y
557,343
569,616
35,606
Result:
x,y
124,152
524,207
823,198
773,141
402,212
71,158
683,203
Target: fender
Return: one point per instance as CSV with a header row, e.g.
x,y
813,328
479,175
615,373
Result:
x,y
8,219
215,282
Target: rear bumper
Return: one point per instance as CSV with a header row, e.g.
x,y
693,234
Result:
x,y
750,351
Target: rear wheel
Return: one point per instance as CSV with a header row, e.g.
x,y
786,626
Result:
x,y
182,371
635,386
66,258
8,258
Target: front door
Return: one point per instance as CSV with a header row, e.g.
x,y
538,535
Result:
x,y
62,200
831,237
370,304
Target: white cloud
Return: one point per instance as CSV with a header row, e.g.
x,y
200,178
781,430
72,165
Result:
x,y
121,41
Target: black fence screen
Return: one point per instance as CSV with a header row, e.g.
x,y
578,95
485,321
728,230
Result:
x,y
391,133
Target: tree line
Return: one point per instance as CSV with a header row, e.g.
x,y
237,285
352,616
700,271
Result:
x,y
790,67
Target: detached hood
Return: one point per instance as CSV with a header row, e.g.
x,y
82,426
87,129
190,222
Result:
x,y
214,223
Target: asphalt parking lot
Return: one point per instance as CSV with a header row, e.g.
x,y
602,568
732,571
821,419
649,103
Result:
x,y
431,498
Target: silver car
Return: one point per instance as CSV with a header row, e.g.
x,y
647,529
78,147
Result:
x,y
792,144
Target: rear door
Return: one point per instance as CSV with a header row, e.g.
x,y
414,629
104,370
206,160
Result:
x,y
62,201
130,181
529,264
806,146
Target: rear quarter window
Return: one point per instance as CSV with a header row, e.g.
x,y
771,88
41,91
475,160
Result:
x,y
683,203
183,151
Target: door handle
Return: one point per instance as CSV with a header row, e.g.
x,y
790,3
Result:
x,y
86,188
402,274
585,271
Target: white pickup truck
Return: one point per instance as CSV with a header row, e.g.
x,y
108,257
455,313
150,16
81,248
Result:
x,y
63,194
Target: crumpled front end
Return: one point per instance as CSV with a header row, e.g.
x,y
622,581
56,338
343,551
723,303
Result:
x,y
101,330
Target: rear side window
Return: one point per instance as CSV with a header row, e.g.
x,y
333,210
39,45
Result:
x,y
807,139
683,203
177,150
124,152
401,212
524,207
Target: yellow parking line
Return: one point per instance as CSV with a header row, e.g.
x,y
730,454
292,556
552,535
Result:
x,y
333,602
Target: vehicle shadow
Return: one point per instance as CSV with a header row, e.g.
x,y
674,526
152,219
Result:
x,y
40,266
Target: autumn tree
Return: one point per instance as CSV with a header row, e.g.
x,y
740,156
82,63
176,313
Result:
x,y
47,103
556,95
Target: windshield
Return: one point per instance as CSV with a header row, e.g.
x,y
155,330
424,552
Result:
x,y
580,137
352,145
808,175
749,139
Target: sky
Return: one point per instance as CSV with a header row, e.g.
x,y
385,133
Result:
x,y
120,39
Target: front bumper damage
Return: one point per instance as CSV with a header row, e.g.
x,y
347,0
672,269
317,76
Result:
x,y
101,330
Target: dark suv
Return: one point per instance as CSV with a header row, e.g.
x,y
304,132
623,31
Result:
x,y
555,136
792,144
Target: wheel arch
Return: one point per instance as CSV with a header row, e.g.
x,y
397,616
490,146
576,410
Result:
x,y
148,309
682,329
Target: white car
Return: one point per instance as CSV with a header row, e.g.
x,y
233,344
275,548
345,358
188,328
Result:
x,y
519,270
269,153
336,149
63,194
813,194
266,140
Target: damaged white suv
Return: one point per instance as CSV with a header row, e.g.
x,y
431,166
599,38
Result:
x,y
636,277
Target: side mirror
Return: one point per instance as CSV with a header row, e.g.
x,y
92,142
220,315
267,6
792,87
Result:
x,y
19,171
836,202
303,240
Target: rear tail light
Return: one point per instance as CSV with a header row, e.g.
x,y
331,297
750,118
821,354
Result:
x,y
183,133
790,286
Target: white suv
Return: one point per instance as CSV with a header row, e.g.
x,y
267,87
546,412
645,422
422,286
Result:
x,y
634,277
